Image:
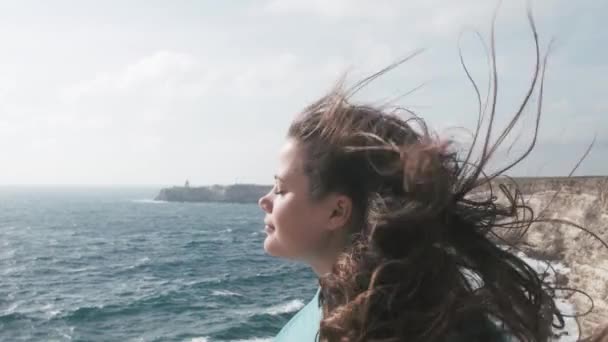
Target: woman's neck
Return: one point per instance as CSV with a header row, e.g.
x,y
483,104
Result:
x,y
323,266
322,263
325,258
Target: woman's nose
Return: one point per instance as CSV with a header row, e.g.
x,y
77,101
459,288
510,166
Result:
x,y
265,203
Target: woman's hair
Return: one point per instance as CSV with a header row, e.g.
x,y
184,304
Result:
x,y
426,262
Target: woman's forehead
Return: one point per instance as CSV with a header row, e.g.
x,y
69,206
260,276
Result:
x,y
291,160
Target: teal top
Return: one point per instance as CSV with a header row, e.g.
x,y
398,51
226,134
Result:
x,y
304,326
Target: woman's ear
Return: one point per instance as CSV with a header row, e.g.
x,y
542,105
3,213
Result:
x,y
341,210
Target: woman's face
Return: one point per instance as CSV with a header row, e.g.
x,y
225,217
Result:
x,y
296,226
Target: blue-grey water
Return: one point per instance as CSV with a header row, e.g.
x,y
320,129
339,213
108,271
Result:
x,y
111,265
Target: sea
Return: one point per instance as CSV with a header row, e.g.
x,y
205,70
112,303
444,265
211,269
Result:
x,y
111,264
105,264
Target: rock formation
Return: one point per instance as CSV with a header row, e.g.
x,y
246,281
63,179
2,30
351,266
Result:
x,y
583,201
238,193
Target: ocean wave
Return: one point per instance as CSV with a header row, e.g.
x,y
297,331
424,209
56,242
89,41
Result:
x,y
141,262
7,254
291,306
199,339
95,313
253,339
50,311
147,200
284,272
11,309
12,313
225,293
169,302
86,313
13,316
211,242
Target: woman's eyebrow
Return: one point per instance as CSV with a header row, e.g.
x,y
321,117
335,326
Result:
x,y
276,177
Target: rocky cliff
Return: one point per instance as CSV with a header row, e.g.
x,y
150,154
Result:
x,y
583,201
238,193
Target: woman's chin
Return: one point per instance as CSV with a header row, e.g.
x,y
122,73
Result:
x,y
270,245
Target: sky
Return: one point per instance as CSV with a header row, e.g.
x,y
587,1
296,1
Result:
x,y
157,92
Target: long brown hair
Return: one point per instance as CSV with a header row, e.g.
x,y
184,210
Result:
x,y
426,262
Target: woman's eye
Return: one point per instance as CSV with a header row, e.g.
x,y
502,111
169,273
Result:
x,y
277,190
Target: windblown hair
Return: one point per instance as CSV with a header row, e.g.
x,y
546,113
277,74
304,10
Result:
x,y
426,262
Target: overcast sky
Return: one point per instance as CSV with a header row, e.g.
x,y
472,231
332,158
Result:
x,y
156,92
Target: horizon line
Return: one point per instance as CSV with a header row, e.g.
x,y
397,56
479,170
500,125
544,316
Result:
x,y
132,185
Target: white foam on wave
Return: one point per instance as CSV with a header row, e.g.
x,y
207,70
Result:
x,y
199,339
147,200
12,270
570,331
11,309
143,260
550,269
291,306
225,293
253,339
50,311
542,266
66,332
140,262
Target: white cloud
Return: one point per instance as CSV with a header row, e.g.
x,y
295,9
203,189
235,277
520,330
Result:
x,y
171,75
435,17
158,75
335,8
155,108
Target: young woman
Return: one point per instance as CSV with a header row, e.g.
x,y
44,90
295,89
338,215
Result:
x,y
391,220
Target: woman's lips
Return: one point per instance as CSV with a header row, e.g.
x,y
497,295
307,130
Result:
x,y
269,228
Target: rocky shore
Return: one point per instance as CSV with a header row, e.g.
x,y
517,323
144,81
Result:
x,y
237,193
583,201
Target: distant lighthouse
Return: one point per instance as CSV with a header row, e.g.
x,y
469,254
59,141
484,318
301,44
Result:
x,y
187,184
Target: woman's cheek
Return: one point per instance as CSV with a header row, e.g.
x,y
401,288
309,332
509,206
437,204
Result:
x,y
287,222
